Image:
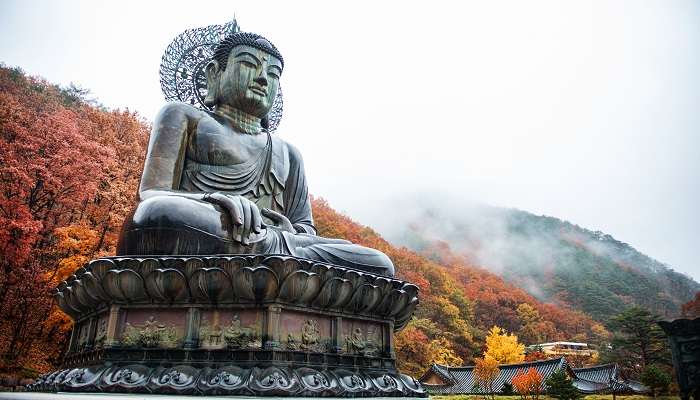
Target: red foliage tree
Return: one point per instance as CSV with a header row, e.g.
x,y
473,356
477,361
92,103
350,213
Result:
x,y
691,309
68,171
528,384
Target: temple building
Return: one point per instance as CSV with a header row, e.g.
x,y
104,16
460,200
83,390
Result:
x,y
440,379
563,349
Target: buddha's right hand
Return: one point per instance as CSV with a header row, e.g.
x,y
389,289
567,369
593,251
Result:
x,y
244,214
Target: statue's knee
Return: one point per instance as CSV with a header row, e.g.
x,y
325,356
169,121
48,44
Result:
x,y
174,225
384,262
158,211
174,213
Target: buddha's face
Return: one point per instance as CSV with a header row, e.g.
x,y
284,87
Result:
x,y
250,81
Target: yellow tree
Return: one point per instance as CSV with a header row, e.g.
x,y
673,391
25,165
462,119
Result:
x,y
441,352
503,347
486,371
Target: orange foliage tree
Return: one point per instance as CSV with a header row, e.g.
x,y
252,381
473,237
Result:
x,y
691,309
528,384
486,371
68,172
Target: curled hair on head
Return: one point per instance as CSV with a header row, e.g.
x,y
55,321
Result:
x,y
223,49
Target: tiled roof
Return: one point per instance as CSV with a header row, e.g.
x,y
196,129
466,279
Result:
x,y
598,379
461,379
605,378
599,373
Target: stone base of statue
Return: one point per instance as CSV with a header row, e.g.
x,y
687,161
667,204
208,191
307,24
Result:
x,y
232,325
684,338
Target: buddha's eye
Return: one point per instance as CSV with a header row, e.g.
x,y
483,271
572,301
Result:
x,y
248,63
273,75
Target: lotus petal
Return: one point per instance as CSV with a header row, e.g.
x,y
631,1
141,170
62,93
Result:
x,y
167,284
72,301
93,287
146,267
365,298
63,304
411,289
177,263
257,284
125,285
229,378
324,271
283,266
404,316
300,287
356,278
230,265
193,264
399,299
315,380
335,293
211,284
100,267
81,294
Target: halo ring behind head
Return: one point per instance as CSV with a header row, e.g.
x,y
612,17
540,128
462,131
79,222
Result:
x,y
182,76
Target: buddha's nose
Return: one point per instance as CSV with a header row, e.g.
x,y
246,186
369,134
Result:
x,y
261,80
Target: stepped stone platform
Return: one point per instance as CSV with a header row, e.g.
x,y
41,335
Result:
x,y
249,325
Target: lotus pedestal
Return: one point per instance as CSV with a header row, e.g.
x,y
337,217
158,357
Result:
x,y
232,325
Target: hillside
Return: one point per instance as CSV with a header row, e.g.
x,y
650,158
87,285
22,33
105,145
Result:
x,y
460,302
554,260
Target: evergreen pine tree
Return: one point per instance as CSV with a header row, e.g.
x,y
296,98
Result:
x,y
656,379
560,387
507,389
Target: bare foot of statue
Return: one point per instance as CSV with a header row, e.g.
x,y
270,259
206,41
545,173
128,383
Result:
x,y
219,183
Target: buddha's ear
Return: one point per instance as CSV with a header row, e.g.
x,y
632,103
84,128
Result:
x,y
213,72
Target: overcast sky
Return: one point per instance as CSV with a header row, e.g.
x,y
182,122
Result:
x,y
584,110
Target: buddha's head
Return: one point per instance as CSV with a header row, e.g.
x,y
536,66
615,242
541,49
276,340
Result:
x,y
244,74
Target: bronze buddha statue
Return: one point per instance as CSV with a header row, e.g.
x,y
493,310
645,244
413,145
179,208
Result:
x,y
219,183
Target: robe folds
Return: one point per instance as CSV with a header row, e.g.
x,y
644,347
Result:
x,y
274,179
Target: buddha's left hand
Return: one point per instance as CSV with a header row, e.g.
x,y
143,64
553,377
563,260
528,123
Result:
x,y
280,220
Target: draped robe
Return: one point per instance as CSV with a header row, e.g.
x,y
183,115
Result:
x,y
274,179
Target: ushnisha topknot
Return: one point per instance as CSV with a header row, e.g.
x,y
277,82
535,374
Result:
x,y
223,50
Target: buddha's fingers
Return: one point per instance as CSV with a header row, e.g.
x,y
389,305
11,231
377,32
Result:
x,y
280,221
247,222
257,219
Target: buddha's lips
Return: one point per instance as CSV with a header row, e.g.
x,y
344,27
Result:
x,y
258,90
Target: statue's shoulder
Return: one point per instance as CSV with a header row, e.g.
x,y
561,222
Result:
x,y
289,149
178,110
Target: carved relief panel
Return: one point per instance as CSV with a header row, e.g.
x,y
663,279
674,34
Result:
x,y
362,337
305,332
233,329
151,328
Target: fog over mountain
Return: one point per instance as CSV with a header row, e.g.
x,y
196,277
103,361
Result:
x,y
554,260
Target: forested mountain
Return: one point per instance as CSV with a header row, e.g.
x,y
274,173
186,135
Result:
x,y
554,260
